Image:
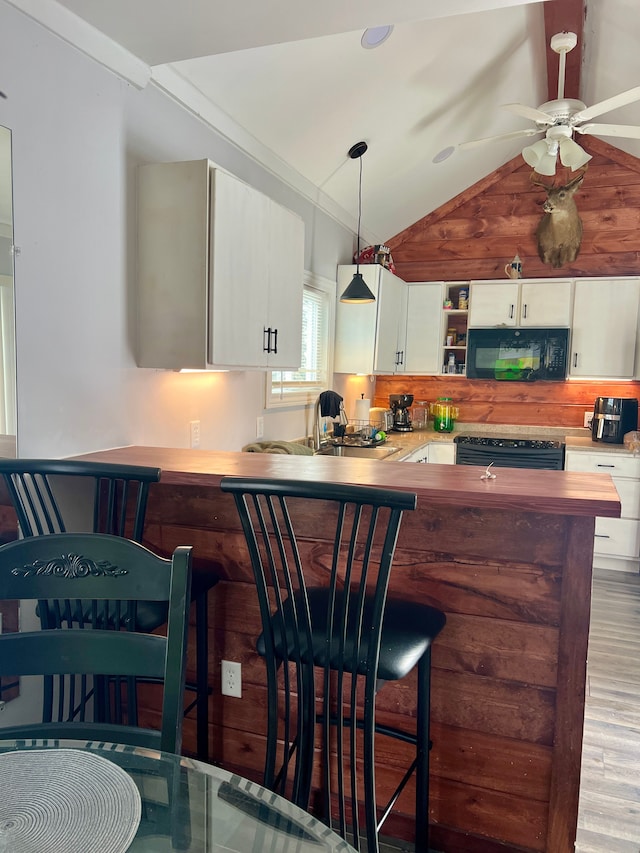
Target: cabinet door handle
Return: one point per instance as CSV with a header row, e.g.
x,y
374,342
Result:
x,y
601,536
524,311
275,342
603,465
266,339
400,357
575,359
511,311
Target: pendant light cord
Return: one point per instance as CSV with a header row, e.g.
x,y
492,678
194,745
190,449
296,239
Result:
x,y
359,217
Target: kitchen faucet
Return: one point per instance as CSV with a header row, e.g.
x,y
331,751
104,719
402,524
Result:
x,y
343,421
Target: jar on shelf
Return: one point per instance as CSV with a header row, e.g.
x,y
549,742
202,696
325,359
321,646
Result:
x,y
451,337
463,300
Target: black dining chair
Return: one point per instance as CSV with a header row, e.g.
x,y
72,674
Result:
x,y
321,555
103,498
104,569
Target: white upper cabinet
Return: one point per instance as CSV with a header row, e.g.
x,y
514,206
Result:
x,y
493,303
220,272
542,302
545,303
422,352
604,329
370,338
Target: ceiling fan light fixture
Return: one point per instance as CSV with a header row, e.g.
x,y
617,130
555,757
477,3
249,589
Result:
x,y
547,165
571,154
357,291
533,153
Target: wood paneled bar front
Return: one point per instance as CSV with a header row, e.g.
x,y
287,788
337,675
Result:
x,y
509,561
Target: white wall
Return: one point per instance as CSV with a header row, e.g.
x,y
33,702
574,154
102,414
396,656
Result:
x,y
78,134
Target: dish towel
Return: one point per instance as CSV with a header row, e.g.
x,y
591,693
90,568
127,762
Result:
x,y
330,404
291,448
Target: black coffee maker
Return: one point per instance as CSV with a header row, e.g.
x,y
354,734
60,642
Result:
x,y
613,417
400,404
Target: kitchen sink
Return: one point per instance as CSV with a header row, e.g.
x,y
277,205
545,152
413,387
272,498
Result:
x,y
381,451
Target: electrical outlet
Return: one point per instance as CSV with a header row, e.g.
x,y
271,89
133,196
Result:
x,y
231,679
259,427
194,434
588,417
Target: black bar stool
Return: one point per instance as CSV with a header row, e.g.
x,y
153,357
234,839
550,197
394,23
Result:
x,y
344,637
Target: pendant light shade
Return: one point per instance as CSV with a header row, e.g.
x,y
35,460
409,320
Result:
x,y
357,290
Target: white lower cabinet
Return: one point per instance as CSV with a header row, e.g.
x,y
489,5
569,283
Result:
x,y
439,452
617,540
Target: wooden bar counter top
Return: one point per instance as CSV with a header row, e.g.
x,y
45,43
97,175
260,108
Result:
x,y
509,561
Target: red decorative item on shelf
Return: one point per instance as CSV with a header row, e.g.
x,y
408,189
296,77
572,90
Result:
x,y
375,255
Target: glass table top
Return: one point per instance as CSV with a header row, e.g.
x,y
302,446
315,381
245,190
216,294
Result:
x,y
188,805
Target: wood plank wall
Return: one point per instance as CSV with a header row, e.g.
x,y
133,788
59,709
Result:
x,y
475,234
559,404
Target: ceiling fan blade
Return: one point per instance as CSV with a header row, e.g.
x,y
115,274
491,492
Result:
x,y
515,134
613,103
629,131
529,112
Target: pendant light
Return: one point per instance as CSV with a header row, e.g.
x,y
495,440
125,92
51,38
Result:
x,y
357,290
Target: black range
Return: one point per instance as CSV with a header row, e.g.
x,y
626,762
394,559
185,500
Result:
x,y
509,452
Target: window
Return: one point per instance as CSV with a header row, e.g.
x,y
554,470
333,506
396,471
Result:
x,y
301,387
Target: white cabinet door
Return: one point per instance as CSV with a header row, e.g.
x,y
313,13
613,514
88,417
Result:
x,y
545,303
370,337
442,452
419,455
392,313
604,328
239,272
257,282
422,347
493,303
286,276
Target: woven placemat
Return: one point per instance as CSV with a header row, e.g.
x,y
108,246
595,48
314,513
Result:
x,y
67,801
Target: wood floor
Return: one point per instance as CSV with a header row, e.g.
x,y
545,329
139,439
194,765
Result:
x,y
609,813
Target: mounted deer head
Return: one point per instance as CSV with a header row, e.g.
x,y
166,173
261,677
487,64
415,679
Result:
x,y
559,232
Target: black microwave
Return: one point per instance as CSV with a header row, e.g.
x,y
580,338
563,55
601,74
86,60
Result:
x,y
517,355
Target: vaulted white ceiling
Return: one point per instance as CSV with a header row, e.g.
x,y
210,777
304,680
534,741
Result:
x,y
290,83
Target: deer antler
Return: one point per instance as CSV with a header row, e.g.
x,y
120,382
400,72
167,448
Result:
x,y
535,179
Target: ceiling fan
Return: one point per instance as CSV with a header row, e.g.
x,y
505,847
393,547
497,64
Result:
x,y
559,119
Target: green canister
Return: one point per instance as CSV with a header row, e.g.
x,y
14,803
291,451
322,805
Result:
x,y
444,414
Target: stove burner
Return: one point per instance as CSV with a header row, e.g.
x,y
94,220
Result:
x,y
523,443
